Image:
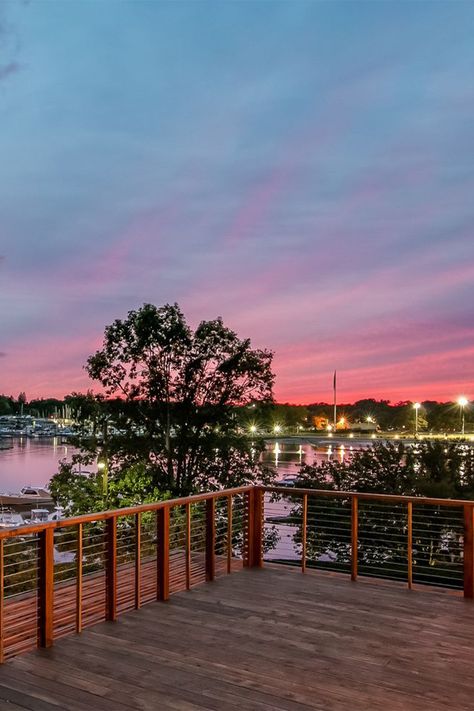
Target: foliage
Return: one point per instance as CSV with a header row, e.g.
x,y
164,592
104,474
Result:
x,y
166,421
434,470
266,415
7,405
76,492
434,417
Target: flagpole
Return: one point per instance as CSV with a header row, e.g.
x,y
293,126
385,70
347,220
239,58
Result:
x,y
335,408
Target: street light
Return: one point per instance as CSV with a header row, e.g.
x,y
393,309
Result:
x,y
277,429
462,402
253,429
104,469
416,407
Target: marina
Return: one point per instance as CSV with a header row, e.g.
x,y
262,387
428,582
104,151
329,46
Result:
x,y
32,462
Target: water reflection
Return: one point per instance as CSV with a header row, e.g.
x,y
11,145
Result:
x,y
288,457
31,462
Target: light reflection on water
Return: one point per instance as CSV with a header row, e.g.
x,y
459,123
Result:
x,y
289,457
34,461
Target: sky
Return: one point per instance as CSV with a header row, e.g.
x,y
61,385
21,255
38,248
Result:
x,y
303,169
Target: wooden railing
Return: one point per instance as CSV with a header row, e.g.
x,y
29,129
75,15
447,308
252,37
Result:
x,y
57,578
423,541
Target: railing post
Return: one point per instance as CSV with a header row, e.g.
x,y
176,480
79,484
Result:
x,y
138,560
210,539
163,552
111,569
468,551
410,544
257,539
229,534
354,536
79,554
45,587
188,546
304,524
253,534
2,592
248,529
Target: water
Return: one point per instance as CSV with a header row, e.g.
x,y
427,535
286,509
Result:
x,y
288,456
34,461
30,461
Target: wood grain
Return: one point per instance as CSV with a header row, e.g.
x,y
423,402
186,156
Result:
x,y
468,551
292,643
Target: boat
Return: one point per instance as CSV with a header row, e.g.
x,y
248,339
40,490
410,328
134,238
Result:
x,y
289,480
27,495
39,516
45,515
9,519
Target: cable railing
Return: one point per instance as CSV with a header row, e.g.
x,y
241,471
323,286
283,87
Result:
x,y
415,540
59,577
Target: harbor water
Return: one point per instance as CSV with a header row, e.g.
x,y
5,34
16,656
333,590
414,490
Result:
x,y
33,462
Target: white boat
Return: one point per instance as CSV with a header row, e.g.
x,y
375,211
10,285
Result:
x,y
9,519
39,516
44,515
27,495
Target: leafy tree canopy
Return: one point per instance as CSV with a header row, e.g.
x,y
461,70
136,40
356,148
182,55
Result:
x,y
167,416
433,469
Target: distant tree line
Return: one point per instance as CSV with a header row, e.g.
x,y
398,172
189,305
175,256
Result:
x,y
38,407
433,416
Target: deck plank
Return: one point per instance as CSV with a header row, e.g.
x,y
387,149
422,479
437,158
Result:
x,y
262,640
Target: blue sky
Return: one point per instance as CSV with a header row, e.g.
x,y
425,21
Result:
x,y
304,170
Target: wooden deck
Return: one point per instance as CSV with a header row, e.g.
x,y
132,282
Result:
x,y
262,640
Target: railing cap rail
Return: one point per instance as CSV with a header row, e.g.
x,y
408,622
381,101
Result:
x,y
392,498
29,529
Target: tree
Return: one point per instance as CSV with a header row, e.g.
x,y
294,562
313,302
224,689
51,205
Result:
x,y
22,402
7,405
168,409
431,469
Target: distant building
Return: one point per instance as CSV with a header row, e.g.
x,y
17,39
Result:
x,y
364,427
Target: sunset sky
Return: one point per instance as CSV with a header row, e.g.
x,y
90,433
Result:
x,y
304,170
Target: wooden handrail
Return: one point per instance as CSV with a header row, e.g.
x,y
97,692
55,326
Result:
x,y
239,521
354,497
114,513
85,595
389,498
